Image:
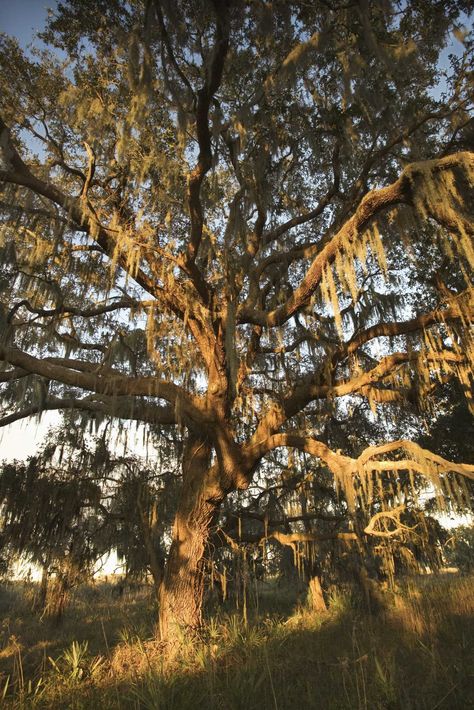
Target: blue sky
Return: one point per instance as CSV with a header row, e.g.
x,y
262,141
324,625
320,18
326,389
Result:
x,y
23,18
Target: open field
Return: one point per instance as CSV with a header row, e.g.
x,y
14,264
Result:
x,y
415,653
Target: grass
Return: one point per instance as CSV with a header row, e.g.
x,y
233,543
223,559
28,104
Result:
x,y
414,654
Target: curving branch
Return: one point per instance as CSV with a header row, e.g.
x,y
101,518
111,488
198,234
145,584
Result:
x,y
263,518
288,539
336,462
270,237
420,460
90,171
390,329
67,310
141,412
387,517
355,476
79,374
14,170
168,45
367,459
375,201
11,375
309,388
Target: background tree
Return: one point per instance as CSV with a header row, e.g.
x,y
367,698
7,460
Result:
x,y
74,503
141,507
231,219
50,515
459,549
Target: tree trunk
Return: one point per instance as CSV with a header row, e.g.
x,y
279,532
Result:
x,y
58,594
315,595
155,568
150,535
39,602
182,589
370,591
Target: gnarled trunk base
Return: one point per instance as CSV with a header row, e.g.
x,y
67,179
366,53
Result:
x,y
182,589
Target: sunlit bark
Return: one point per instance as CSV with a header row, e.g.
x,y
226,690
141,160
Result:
x,y
182,589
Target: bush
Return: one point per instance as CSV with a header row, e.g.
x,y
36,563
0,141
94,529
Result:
x,y
460,549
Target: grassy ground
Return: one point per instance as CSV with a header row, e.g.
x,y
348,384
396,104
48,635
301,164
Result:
x,y
416,653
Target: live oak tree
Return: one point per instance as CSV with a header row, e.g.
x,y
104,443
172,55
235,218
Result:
x,y
74,502
52,515
227,219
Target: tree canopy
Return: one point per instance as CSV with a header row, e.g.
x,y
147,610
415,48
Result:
x,y
233,220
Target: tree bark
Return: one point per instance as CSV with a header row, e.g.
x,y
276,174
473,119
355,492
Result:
x,y
181,592
315,595
58,595
155,559
39,602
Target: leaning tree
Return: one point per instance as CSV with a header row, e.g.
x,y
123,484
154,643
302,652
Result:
x,y
230,218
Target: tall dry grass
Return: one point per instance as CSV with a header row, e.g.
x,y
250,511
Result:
x,y
416,653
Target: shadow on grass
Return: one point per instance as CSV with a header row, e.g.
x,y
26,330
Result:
x,y
416,654
349,660
94,616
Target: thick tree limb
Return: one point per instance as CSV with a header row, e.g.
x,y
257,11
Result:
x,y
453,312
10,375
342,465
136,411
112,385
401,191
309,388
